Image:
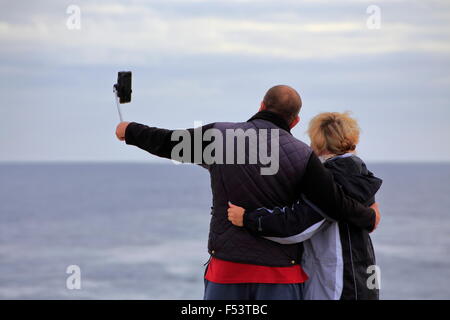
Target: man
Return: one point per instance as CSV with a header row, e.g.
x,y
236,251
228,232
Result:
x,y
244,266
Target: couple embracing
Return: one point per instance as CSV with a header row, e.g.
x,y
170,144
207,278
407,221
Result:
x,y
300,232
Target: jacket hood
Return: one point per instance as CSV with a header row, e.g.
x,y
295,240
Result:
x,y
352,175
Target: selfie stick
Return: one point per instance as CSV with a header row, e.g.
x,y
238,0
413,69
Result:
x,y
118,104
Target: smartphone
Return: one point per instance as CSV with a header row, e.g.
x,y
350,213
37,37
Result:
x,y
123,86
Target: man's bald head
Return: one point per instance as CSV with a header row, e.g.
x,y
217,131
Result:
x,y
284,101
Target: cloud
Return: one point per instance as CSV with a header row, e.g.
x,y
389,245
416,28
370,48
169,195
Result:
x,y
213,60
115,32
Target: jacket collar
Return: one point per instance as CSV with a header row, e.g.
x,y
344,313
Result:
x,y
272,117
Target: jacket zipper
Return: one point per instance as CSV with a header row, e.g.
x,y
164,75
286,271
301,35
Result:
x,y
351,261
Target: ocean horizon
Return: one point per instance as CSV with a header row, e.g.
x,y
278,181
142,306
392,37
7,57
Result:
x,y
139,230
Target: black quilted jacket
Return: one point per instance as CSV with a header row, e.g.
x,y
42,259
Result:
x,y
244,186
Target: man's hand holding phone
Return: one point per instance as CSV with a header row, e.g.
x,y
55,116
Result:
x,y
120,130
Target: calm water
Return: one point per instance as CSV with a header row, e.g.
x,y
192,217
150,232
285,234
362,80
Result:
x,y
139,231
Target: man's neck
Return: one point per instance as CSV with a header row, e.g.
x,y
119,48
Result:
x,y
272,117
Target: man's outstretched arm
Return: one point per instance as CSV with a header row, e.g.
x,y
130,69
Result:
x,y
158,141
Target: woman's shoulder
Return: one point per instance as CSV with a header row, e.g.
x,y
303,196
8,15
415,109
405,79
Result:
x,y
348,163
352,174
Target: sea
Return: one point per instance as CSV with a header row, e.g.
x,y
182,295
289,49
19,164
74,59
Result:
x,y
139,231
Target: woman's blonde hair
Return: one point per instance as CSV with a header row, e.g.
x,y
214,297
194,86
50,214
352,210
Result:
x,y
333,133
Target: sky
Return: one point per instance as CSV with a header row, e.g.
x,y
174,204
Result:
x,y
213,60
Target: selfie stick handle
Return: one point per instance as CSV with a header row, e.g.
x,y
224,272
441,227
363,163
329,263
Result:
x,y
118,105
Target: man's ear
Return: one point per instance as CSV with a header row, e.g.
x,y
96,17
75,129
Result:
x,y
294,122
262,106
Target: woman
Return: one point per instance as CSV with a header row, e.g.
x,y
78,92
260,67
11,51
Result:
x,y
338,258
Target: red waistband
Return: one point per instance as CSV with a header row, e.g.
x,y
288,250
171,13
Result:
x,y
221,271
